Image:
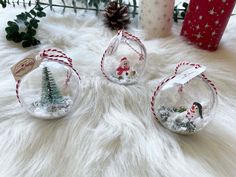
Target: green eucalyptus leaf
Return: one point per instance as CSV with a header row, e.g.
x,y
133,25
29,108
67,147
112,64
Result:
x,y
3,3
26,43
17,39
182,14
41,14
34,23
8,29
22,16
9,37
34,41
38,7
185,4
26,23
11,23
22,34
11,30
32,12
28,15
31,32
25,36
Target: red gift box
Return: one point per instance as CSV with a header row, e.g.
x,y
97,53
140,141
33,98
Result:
x,y
205,22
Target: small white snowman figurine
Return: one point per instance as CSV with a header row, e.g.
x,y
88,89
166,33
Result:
x,y
123,70
194,112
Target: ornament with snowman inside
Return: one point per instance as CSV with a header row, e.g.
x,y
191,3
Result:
x,y
185,102
123,62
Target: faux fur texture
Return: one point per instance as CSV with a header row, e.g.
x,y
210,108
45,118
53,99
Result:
x,y
112,132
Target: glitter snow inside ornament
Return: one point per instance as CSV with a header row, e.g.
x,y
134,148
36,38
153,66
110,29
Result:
x,y
46,86
185,102
123,62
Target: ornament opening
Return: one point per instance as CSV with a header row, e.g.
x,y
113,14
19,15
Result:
x,y
123,62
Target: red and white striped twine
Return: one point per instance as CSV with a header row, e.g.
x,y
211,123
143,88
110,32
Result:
x,y
55,56
127,35
184,63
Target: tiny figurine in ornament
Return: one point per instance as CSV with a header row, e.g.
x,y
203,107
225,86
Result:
x,y
47,84
123,61
124,69
195,111
172,97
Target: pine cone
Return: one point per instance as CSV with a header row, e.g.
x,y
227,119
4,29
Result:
x,y
116,16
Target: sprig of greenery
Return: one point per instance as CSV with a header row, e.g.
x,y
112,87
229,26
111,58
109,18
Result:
x,y
23,28
180,109
3,3
178,13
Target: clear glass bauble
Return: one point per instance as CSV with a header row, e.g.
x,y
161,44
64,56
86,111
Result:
x,y
187,108
49,91
124,60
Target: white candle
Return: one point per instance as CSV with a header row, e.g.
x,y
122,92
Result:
x,y
155,17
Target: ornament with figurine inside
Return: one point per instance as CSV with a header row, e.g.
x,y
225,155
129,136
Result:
x,y
123,62
46,85
185,102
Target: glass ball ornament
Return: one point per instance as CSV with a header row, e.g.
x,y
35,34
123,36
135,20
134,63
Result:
x,y
185,108
50,90
123,62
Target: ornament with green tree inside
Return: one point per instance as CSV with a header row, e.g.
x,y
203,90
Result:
x,y
51,101
50,90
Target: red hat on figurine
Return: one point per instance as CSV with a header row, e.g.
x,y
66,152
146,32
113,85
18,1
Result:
x,y
123,59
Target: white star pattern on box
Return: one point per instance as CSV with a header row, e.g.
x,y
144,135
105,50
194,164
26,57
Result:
x,y
211,12
208,19
213,33
198,35
217,22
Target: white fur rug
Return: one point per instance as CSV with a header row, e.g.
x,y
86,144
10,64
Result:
x,y
112,133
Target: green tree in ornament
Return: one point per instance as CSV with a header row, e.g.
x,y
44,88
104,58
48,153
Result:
x,y
50,92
